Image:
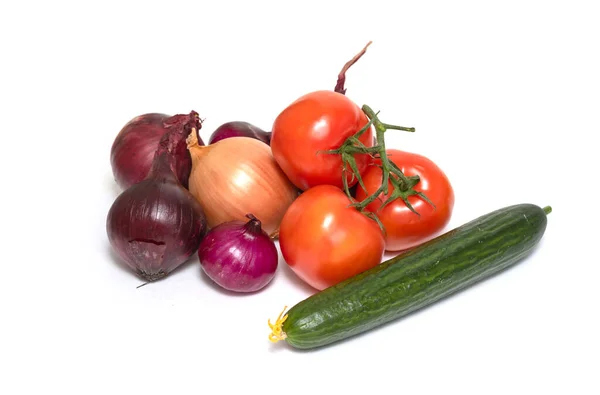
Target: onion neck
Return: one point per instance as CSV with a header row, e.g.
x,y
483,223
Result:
x,y
162,168
195,145
179,127
173,145
260,134
254,225
187,122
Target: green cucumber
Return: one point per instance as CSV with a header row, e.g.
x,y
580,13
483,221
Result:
x,y
410,281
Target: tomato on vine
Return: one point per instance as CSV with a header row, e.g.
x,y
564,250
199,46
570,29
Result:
x,y
305,134
404,228
313,139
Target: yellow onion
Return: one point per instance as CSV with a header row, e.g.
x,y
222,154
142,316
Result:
x,y
237,176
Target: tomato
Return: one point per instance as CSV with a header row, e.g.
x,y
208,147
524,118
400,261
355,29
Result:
x,y
315,123
405,229
325,241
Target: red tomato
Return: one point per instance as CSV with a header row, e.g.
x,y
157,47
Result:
x,y
318,122
324,241
404,228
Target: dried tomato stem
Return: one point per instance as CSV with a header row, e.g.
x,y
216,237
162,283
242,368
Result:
x,y
339,87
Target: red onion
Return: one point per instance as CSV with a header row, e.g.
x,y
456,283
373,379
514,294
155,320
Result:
x,y
239,129
133,149
239,256
156,225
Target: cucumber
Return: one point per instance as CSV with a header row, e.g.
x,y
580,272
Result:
x,y
434,270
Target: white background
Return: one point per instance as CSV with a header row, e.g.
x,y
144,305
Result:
x,y
504,97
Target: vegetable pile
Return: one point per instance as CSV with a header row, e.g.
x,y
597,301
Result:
x,y
322,184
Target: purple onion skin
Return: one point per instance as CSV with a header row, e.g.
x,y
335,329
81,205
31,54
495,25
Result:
x,y
156,225
133,149
239,129
238,256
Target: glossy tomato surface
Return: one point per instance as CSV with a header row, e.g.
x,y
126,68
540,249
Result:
x,y
315,123
405,229
325,241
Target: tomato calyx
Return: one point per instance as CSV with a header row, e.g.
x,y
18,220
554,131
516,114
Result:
x,y
403,186
402,189
339,86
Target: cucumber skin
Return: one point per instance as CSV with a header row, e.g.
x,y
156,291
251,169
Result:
x,y
441,267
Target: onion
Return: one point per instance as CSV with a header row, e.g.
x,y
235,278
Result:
x,y
238,256
133,149
239,129
156,225
236,176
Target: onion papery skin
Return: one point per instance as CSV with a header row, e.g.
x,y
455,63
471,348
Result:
x,y
133,149
156,225
236,176
238,256
239,129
